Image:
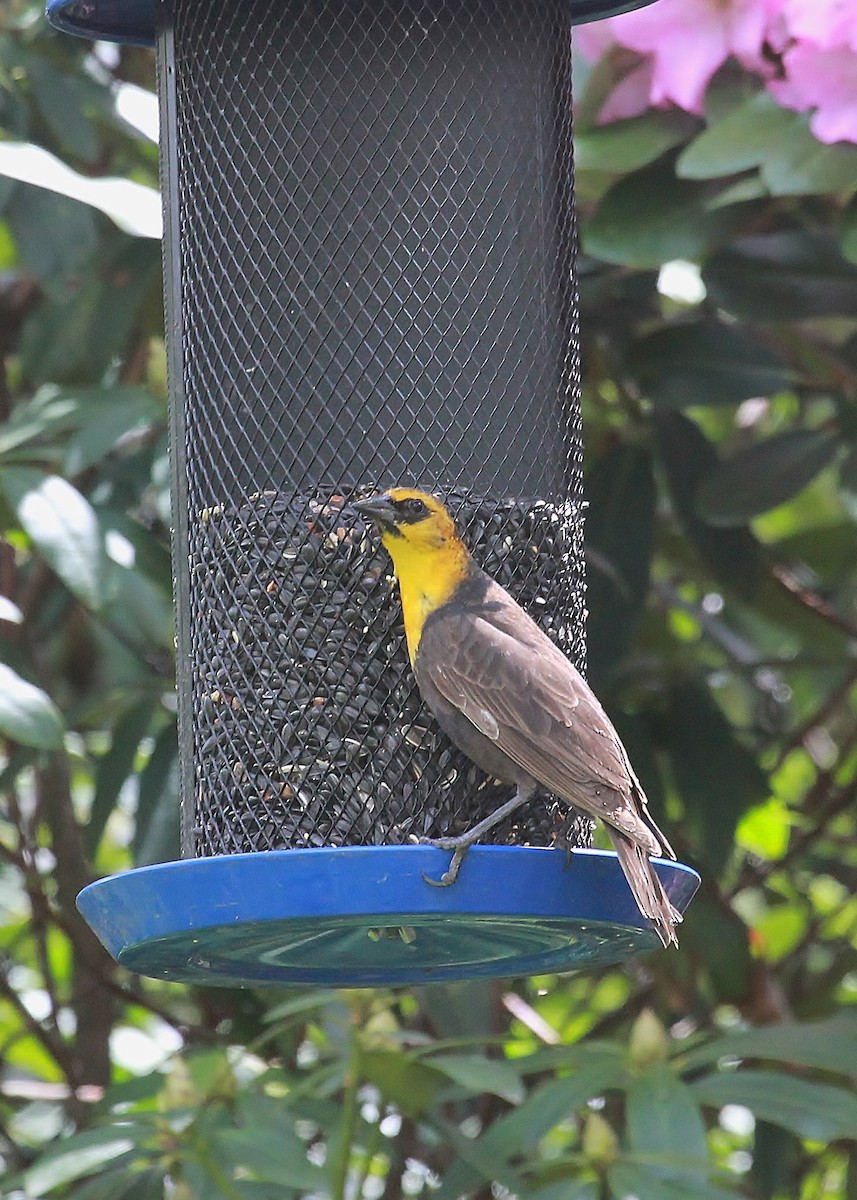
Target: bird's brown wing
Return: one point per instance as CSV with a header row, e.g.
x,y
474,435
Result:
x,y
497,667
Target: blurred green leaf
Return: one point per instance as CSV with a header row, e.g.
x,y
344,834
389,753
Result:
x,y
848,480
156,827
408,1084
628,1179
80,1155
649,218
742,139
828,550
593,1069
64,528
568,1188
798,164
763,475
663,1118
848,231
62,101
74,337
39,419
619,535
818,1111
830,1045
765,830
265,1144
782,276
269,1153
775,1152
687,456
55,236
478,1074
124,1185
717,777
705,363
719,941
27,714
779,930
103,417
624,146
116,766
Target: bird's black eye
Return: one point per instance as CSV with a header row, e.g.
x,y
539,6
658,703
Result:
x,y
413,509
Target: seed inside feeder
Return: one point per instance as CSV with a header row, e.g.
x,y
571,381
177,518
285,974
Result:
x,y
309,728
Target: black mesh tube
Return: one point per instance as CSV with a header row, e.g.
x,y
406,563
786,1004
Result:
x,y
373,284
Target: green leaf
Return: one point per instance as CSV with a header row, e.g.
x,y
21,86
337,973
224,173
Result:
x,y
663,1118
717,778
472,1156
628,1179
275,1155
763,476
743,190
78,1156
759,133
265,1144
124,1185
649,218
848,231
619,534
55,236
297,1006
116,766
408,1084
478,1074
103,417
593,1070
732,554
246,1189
42,418
624,146
797,164
848,481
765,830
775,1155
818,1111
570,1188
829,550
156,826
61,100
75,337
63,526
705,363
743,139
27,714
829,1045
782,276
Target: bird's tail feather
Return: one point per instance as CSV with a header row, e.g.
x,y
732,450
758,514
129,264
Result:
x,y
648,890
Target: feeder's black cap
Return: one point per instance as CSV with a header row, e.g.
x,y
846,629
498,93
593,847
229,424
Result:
x,y
133,21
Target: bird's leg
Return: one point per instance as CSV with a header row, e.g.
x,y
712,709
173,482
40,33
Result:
x,y
461,844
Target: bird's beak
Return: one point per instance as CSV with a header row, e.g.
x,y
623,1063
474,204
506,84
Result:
x,y
378,509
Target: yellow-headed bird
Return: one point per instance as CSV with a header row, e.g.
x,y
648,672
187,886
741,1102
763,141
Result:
x,y
504,693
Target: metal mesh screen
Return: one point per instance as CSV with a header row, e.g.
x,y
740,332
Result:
x,y
375,286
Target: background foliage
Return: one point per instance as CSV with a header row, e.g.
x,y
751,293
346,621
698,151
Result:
x,y
719,287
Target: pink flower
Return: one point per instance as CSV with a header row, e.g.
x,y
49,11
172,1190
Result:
x,y
689,39
630,96
593,39
828,24
824,80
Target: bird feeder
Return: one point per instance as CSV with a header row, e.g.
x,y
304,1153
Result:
x,y
369,280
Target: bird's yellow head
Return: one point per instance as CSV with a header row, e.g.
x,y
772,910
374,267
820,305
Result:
x,y
411,522
429,557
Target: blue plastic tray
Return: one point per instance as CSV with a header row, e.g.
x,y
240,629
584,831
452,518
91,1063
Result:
x,y
133,21
365,917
